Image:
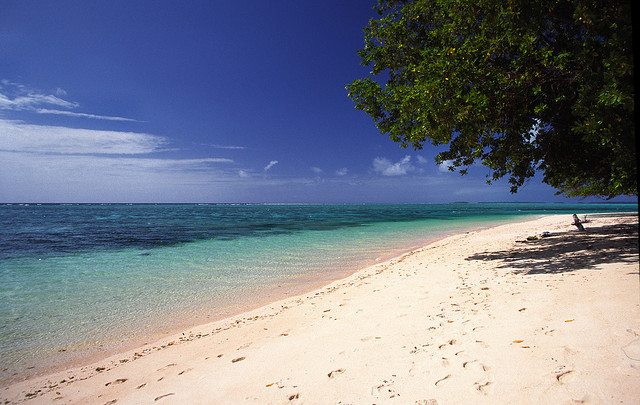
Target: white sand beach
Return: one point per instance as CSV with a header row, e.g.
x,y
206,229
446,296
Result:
x,y
484,317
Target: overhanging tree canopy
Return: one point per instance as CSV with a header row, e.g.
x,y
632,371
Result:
x,y
519,86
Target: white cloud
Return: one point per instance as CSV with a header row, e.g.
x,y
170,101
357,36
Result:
x,y
444,166
67,167
54,177
270,165
422,160
317,170
191,164
230,147
243,174
342,172
387,168
17,97
14,96
17,136
30,100
52,163
83,115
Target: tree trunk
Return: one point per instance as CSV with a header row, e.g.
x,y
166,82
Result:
x,y
577,223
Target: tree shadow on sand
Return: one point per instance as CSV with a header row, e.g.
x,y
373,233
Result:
x,y
563,252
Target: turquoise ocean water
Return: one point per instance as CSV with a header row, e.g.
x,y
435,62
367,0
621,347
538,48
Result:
x,y
81,280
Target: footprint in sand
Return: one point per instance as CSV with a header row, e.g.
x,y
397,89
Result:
x,y
114,382
452,342
483,344
163,396
471,364
167,366
475,365
482,372
632,349
385,389
334,373
565,377
485,388
185,371
246,345
440,381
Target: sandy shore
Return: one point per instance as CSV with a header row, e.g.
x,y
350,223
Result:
x,y
483,317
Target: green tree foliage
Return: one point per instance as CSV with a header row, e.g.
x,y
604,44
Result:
x,y
519,86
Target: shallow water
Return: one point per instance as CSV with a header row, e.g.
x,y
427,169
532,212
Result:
x,y
77,279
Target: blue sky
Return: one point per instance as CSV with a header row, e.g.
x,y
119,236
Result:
x,y
203,101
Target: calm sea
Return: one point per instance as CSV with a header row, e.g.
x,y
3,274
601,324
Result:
x,y
80,280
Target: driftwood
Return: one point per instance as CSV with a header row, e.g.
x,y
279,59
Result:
x,y
577,223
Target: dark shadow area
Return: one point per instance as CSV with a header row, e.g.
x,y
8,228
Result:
x,y
569,251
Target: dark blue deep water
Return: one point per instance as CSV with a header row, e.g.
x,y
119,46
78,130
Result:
x,y
50,229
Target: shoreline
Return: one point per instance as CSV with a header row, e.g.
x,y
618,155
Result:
x,y
198,316
88,382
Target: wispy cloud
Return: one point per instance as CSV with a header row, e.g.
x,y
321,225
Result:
x,y
386,167
18,136
270,165
229,147
30,100
83,115
317,170
17,97
48,163
54,177
342,172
